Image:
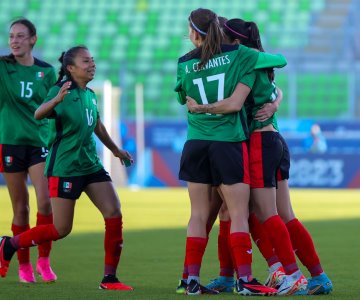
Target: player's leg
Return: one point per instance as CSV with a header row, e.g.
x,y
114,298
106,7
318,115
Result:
x,y
302,243
17,187
225,281
44,216
105,198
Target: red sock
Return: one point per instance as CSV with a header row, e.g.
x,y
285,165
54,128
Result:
x,y
195,248
262,240
22,254
280,239
241,248
45,248
304,247
224,250
35,236
113,244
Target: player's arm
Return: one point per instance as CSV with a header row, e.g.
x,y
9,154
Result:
x,y
229,105
105,138
47,108
268,109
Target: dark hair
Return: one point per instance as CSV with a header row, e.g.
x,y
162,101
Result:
x,y
206,23
68,58
32,31
248,34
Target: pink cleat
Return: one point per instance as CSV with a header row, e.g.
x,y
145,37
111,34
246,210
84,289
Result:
x,y
26,273
44,270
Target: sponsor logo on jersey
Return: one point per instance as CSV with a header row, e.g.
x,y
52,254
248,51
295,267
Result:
x,y
8,160
67,187
94,101
76,99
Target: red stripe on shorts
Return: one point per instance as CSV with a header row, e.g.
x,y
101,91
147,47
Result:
x,y
1,160
53,186
256,161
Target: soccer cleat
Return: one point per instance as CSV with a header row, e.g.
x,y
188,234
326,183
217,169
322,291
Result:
x,y
110,282
44,270
181,288
293,285
275,278
26,273
253,288
4,264
195,288
318,285
223,284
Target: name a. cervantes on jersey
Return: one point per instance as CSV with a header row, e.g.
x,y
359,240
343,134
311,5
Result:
x,y
212,63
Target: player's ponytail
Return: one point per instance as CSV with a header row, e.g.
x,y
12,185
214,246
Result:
x,y
206,23
254,36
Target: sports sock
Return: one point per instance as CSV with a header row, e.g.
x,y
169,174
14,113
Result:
x,y
35,236
22,254
113,244
45,248
195,248
242,252
304,247
262,241
280,239
224,250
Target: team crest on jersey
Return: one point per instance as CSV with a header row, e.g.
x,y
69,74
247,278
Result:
x,y
8,160
39,75
67,187
94,101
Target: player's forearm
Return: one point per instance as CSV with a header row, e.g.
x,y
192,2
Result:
x,y
221,107
104,137
45,109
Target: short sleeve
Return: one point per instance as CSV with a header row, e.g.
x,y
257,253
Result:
x,y
267,60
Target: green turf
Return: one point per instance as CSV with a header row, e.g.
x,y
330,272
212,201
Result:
x,y
154,233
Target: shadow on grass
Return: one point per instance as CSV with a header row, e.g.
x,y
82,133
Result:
x,y
152,262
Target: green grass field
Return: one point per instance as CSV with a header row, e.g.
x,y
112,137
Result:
x,y
154,232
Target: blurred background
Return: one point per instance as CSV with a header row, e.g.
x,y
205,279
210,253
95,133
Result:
x,y
136,44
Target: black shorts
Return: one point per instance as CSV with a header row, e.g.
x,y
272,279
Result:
x,y
72,187
215,163
266,153
284,167
16,158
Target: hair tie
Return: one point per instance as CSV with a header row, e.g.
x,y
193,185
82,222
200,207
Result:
x,y
233,31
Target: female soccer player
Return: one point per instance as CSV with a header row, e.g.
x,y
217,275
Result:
x,y
24,83
73,166
215,153
263,147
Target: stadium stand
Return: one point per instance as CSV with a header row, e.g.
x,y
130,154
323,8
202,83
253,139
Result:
x,y
139,42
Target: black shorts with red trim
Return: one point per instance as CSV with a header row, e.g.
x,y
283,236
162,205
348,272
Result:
x,y
19,158
266,153
214,162
72,187
283,172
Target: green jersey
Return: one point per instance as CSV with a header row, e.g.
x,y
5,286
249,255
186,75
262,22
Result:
x,y
22,90
216,81
263,92
73,150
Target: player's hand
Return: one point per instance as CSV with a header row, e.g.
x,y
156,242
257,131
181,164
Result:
x,y
64,90
124,156
191,104
265,112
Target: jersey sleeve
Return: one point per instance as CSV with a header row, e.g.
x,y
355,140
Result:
x,y
267,60
249,79
181,95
